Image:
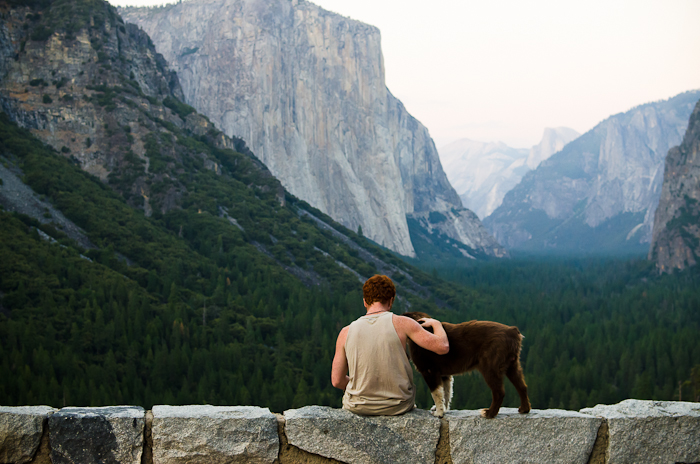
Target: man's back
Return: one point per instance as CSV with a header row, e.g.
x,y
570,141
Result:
x,y
381,378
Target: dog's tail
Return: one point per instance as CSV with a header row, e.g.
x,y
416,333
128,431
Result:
x,y
515,341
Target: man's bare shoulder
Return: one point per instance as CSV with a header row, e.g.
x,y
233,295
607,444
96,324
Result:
x,y
343,335
405,323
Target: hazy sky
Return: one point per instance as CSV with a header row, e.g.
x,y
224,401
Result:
x,y
505,70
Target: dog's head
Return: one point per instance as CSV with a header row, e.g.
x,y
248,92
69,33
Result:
x,y
415,315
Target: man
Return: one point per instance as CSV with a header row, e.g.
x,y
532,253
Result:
x,y
370,361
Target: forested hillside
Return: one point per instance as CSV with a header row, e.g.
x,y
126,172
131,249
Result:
x,y
131,326
102,332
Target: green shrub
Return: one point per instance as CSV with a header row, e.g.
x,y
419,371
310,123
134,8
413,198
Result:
x,y
41,33
47,99
181,109
436,218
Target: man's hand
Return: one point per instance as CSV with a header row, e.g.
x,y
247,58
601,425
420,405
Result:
x,y
426,321
436,341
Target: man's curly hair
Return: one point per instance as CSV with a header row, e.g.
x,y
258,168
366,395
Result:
x,y
378,288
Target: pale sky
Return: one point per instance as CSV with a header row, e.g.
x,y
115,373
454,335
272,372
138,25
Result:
x,y
504,70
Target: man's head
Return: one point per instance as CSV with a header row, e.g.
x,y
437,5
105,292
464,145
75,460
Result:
x,y
378,288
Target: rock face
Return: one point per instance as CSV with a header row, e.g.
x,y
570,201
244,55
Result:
x,y
675,242
305,88
90,94
600,192
346,437
111,434
482,173
214,434
21,428
651,431
552,436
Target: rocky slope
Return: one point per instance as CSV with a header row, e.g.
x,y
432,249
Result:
x,y
482,173
94,89
675,242
600,192
305,88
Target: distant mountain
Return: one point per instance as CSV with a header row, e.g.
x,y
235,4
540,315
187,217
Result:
x,y
675,242
305,88
553,140
599,193
482,173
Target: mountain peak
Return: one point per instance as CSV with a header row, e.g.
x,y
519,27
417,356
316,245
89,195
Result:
x,y
553,140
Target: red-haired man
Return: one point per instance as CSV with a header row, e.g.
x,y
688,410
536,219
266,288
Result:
x,y
370,361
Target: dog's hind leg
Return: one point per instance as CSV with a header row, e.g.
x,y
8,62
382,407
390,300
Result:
x,y
447,384
515,375
439,399
494,379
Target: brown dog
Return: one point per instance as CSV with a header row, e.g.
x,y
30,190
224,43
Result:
x,y
491,348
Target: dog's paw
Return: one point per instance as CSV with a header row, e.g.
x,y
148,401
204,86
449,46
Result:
x,y
439,415
524,409
485,414
432,409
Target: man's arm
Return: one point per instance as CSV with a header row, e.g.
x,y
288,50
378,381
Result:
x,y
339,372
436,342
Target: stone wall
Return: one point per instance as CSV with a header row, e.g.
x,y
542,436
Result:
x,y
632,431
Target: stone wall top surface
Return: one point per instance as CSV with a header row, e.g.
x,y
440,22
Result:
x,y
644,408
206,410
29,410
127,412
512,413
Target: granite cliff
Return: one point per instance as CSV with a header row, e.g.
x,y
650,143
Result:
x,y
600,192
305,88
675,242
482,173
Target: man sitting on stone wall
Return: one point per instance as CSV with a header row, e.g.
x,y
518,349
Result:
x,y
370,361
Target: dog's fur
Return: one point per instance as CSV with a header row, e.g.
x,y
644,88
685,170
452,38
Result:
x,y
491,348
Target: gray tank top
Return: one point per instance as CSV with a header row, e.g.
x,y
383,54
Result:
x,y
381,378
